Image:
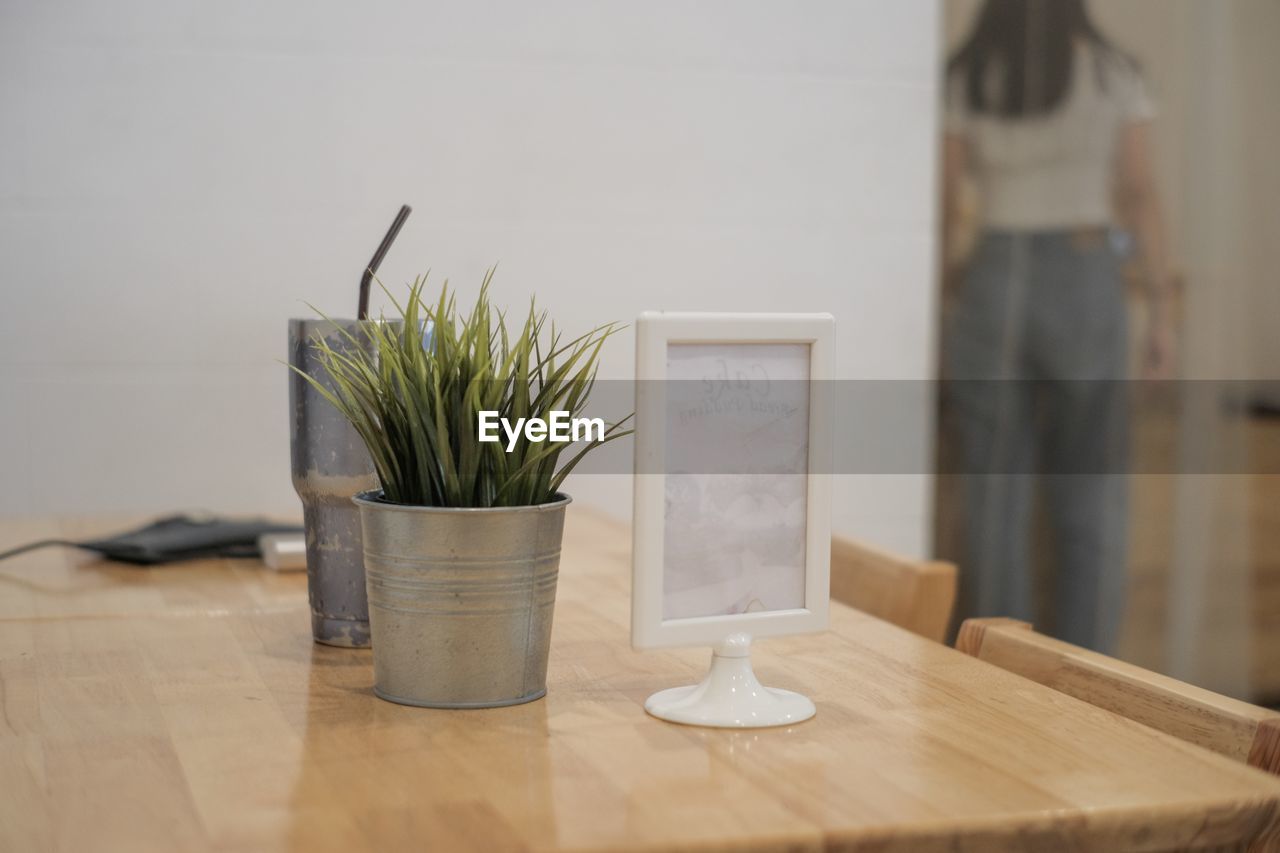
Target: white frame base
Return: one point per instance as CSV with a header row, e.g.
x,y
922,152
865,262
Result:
x,y
730,697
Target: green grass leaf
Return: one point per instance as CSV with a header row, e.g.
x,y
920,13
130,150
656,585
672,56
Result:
x,y
417,409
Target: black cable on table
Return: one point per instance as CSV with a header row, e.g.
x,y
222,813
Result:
x,y
31,546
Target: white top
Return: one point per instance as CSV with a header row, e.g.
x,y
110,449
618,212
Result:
x,y
1054,170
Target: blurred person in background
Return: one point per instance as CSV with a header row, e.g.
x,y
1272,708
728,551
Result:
x,y
1051,121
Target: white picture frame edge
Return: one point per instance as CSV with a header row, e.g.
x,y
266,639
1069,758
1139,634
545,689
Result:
x,y
654,331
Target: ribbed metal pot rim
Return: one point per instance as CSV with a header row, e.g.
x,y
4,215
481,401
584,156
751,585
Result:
x,y
373,500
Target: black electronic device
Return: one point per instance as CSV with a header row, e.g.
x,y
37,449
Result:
x,y
174,538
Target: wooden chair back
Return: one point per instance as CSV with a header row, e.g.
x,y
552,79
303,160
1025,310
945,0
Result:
x,y
914,594
1228,726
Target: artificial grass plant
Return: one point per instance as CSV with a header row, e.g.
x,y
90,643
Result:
x,y
414,397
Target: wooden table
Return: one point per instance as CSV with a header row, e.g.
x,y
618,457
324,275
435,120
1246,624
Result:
x,y
186,707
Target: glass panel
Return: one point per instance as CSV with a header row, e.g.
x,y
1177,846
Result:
x,y
1109,449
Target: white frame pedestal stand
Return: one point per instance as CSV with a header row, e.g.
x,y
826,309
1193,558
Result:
x,y
730,696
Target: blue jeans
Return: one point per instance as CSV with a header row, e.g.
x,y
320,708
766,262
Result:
x,y
1034,354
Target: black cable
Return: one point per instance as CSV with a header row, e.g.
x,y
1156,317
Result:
x,y
31,546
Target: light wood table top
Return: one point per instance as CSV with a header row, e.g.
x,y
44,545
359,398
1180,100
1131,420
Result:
x,y
185,707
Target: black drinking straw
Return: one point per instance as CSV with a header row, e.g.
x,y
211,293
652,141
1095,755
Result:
x,y
367,279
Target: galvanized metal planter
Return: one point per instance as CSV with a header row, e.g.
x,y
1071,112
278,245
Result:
x,y
461,600
330,464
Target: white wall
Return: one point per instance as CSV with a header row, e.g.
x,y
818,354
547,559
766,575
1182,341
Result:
x,y
176,177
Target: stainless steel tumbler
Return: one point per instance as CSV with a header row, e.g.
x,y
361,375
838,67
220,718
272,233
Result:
x,y
330,465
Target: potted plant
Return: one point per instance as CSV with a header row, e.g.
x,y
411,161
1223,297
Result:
x,y
462,540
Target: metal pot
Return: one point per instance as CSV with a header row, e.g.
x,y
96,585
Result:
x,y
461,600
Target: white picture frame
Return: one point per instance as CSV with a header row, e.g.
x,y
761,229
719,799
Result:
x,y
656,333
